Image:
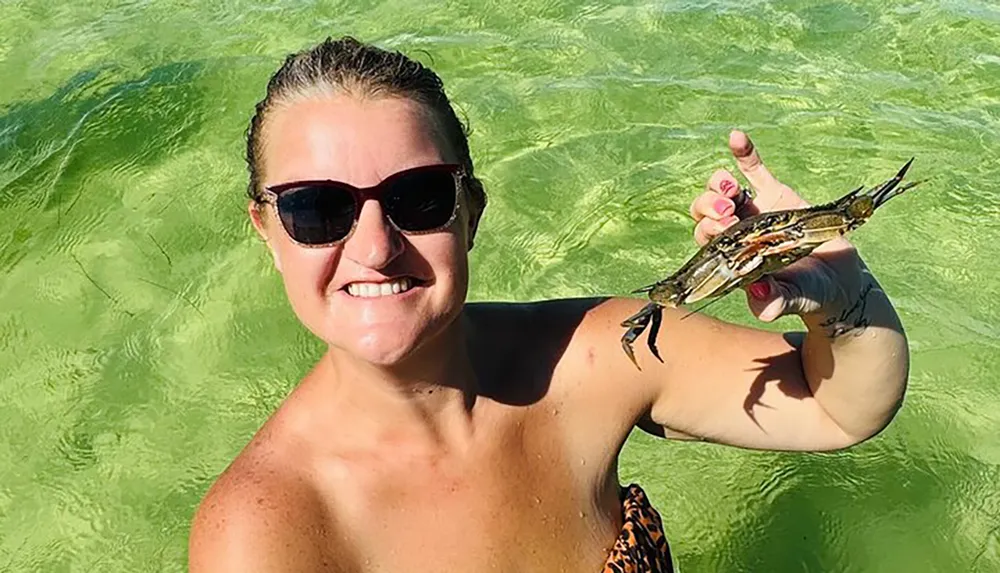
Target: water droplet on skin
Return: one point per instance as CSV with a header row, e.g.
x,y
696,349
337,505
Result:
x,y
538,500
582,515
583,462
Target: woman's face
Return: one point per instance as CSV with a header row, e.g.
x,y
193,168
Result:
x,y
362,142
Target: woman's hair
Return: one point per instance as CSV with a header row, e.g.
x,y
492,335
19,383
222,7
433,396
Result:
x,y
349,66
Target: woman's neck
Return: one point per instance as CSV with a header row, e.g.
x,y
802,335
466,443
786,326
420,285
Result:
x,y
427,399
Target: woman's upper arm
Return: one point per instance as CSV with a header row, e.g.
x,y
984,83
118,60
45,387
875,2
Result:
x,y
717,382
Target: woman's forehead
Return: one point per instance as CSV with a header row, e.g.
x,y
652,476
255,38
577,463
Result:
x,y
357,140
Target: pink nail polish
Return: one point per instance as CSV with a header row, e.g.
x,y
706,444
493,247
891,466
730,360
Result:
x,y
723,206
760,290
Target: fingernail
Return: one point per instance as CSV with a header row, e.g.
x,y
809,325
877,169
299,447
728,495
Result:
x,y
723,206
760,290
727,186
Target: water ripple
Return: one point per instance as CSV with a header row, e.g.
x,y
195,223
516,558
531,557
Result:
x,y
594,124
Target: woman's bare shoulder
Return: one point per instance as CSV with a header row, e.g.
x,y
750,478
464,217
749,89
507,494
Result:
x,y
263,515
558,352
556,326
527,341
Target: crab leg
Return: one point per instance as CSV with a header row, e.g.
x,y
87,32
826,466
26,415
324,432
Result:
x,y
637,324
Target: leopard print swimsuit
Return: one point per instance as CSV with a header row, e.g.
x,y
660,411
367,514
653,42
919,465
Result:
x,y
642,545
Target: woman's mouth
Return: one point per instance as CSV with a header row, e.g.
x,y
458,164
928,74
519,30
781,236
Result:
x,y
380,289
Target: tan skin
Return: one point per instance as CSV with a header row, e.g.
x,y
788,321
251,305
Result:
x,y
486,436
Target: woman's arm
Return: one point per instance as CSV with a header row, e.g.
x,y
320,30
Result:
x,y
836,384
855,355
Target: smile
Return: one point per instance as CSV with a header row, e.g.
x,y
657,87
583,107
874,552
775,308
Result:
x,y
374,290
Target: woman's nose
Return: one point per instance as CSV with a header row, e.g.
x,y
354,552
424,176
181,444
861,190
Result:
x,y
375,242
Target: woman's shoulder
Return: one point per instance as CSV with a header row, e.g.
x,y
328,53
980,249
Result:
x,y
562,345
261,515
565,355
530,333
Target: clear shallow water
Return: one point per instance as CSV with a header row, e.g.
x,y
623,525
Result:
x,y
143,336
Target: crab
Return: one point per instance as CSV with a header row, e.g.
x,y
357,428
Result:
x,y
752,248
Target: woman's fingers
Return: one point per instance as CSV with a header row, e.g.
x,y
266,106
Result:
x,y
750,163
724,183
768,299
718,199
712,205
708,228
716,208
771,193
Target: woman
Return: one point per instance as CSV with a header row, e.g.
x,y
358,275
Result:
x,y
438,435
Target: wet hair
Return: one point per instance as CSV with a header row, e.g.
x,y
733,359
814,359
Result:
x,y
349,66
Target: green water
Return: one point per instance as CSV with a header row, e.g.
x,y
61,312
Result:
x,y
144,336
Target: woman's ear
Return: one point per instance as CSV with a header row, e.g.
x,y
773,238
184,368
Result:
x,y
254,209
257,214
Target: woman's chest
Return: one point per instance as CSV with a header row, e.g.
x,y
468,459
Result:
x,y
520,505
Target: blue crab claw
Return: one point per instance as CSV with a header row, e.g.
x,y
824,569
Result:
x,y
637,324
892,187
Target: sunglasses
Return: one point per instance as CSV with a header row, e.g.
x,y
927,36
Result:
x,y
325,213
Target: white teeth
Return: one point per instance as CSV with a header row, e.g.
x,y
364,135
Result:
x,y
372,290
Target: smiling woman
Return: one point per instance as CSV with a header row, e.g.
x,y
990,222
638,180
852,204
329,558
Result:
x,y
487,436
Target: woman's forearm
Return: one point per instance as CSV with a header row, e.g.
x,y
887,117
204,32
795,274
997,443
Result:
x,y
855,356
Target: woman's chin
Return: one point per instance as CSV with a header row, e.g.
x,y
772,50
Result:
x,y
383,339
383,353
383,348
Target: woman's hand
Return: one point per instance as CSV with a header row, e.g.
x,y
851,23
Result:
x,y
826,279
825,389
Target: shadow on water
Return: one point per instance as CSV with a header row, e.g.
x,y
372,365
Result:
x,y
50,149
802,521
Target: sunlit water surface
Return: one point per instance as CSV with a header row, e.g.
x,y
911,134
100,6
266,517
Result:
x,y
144,335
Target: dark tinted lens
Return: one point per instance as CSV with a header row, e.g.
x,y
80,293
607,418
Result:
x,y
421,201
316,215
